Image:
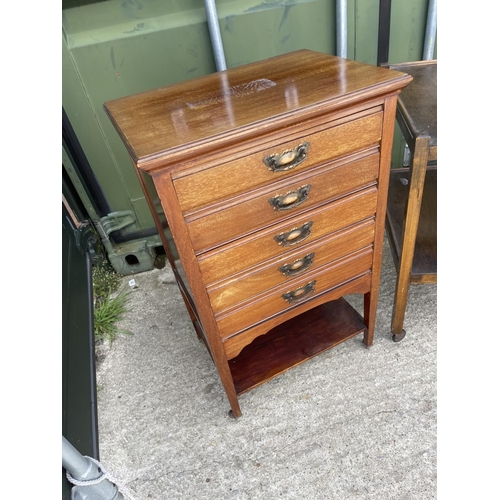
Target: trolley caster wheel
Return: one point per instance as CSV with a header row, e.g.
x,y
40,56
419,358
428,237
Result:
x,y
398,337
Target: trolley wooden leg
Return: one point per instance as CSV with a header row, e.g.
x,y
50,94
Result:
x,y
416,188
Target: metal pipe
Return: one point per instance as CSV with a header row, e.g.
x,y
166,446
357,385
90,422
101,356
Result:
x,y
77,465
430,31
341,24
215,36
83,469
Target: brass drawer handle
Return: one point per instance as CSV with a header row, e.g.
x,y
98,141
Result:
x,y
287,160
297,266
291,199
294,236
299,293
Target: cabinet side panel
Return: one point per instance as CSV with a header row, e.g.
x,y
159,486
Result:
x,y
371,298
171,207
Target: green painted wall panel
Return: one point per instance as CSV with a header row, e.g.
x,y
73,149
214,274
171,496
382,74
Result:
x,y
82,114
365,31
257,31
408,21
110,52
119,47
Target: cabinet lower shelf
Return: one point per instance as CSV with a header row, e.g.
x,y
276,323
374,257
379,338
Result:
x,y
424,266
294,342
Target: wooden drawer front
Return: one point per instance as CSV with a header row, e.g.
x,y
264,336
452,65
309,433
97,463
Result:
x,y
258,248
238,218
256,281
248,172
271,304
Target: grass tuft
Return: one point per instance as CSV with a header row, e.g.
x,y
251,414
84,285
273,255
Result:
x,y
107,313
107,310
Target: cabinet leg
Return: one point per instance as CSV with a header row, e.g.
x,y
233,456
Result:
x,y
398,337
399,308
235,411
401,296
416,188
369,313
228,384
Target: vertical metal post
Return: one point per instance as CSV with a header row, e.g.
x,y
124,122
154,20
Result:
x,y
430,31
215,36
341,24
384,31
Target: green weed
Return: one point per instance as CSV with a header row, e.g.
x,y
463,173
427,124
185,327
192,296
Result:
x,y
107,310
104,281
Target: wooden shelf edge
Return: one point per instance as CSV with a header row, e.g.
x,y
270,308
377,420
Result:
x,y
416,279
294,342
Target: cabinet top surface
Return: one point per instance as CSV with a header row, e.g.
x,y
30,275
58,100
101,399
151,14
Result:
x,y
241,100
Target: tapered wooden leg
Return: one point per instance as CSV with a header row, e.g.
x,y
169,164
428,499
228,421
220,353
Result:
x,y
228,384
235,410
416,188
369,316
232,414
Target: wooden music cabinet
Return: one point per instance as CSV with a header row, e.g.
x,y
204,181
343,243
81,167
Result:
x,y
273,178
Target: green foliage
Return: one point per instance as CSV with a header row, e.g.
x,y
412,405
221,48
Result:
x,y
104,281
107,310
107,313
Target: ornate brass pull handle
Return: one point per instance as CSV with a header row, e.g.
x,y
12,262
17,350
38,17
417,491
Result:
x,y
294,236
299,293
297,266
287,160
291,199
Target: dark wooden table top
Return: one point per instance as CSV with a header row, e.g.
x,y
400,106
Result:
x,y
418,101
